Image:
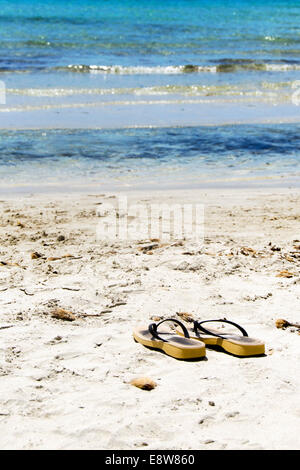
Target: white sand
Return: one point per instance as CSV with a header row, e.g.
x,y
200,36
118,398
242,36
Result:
x,y
65,385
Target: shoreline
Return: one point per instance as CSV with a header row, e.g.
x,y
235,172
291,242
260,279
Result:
x,y
154,115
196,157
263,184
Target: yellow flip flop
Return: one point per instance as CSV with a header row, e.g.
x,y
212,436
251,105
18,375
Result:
x,y
234,344
176,346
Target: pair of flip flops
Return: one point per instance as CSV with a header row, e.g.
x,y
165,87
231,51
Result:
x,y
189,343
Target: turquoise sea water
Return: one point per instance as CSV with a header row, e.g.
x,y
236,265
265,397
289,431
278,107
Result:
x,y
233,49
126,159
117,64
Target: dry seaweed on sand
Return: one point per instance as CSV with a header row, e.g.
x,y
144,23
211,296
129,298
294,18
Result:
x,y
282,323
285,273
62,314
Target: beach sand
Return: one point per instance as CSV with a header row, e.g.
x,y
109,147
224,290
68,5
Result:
x,y
66,384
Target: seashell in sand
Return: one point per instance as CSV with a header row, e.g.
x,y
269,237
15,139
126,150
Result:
x,y
62,314
144,383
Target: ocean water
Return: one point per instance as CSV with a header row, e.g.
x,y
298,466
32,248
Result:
x,y
104,66
220,48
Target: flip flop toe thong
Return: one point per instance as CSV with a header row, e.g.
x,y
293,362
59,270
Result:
x,y
180,347
239,345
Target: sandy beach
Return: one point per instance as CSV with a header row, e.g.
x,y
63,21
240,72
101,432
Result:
x,y
66,383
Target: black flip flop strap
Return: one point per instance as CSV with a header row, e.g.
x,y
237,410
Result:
x,y
198,326
153,328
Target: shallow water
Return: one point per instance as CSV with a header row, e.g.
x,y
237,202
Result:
x,y
158,158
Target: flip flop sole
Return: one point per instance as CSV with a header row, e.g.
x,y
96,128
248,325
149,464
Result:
x,y
189,352
235,348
